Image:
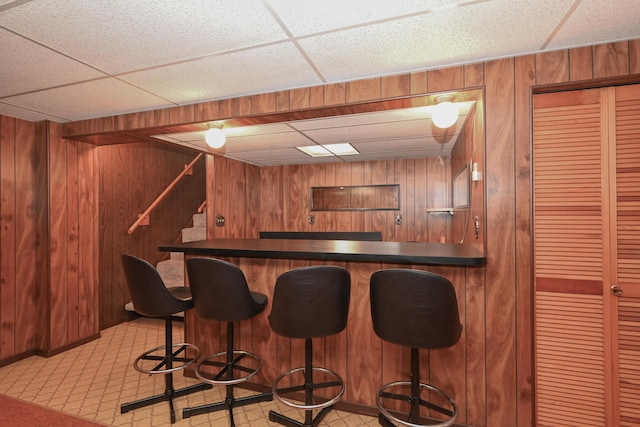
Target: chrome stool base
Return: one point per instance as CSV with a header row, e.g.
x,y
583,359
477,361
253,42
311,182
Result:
x,y
308,388
164,358
388,417
229,362
277,393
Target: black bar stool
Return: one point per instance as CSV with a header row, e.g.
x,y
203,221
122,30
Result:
x,y
220,292
309,302
416,309
152,298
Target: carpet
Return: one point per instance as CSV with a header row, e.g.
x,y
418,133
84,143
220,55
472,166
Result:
x,y
14,412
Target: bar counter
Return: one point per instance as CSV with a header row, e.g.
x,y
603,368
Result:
x,y
357,354
336,250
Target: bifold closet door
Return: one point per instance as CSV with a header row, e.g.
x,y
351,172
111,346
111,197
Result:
x,y
586,178
626,223
570,250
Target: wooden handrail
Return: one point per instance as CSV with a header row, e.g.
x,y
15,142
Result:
x,y
202,206
145,215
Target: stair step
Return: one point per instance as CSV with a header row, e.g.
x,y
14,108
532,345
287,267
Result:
x,y
194,233
171,270
200,220
179,256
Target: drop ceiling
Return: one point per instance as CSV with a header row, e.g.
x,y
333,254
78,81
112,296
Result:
x,y
79,59
400,133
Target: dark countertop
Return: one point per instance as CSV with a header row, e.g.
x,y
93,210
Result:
x,y
336,250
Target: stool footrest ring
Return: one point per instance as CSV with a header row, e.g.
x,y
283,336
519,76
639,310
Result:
x,y
220,378
451,412
337,382
162,359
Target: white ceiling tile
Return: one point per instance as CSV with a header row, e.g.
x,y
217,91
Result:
x,y
308,17
246,72
26,114
18,54
376,131
123,35
448,37
591,22
410,144
267,141
88,100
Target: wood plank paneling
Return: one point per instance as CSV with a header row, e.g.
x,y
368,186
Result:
x,y
500,269
8,237
552,67
28,309
144,169
524,79
611,60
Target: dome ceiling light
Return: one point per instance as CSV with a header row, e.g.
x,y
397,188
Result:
x,y
445,113
215,137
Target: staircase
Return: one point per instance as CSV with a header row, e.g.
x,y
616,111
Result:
x,y
172,269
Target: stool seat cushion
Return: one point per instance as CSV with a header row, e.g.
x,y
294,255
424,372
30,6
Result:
x,y
148,292
414,308
180,292
311,302
220,291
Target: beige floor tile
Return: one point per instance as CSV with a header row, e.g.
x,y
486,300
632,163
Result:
x,y
93,380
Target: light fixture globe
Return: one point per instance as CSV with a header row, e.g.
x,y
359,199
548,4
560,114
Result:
x,y
215,137
445,113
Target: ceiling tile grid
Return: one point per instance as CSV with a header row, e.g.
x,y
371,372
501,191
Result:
x,y
181,52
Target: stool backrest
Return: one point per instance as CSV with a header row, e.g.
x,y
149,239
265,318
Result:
x,y
220,291
149,294
414,308
311,302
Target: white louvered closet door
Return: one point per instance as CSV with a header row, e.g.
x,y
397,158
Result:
x,y
586,186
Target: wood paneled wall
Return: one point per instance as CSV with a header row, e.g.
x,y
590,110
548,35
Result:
x,y
72,203
21,319
49,240
498,298
284,201
131,176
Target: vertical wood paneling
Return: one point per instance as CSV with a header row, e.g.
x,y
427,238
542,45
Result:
x,y
500,270
28,308
446,79
363,90
88,249
524,79
362,340
418,82
611,60
145,169
393,86
7,237
552,67
581,63
634,56
58,283
73,291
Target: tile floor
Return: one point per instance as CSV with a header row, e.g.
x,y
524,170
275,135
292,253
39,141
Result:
x,y
91,381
